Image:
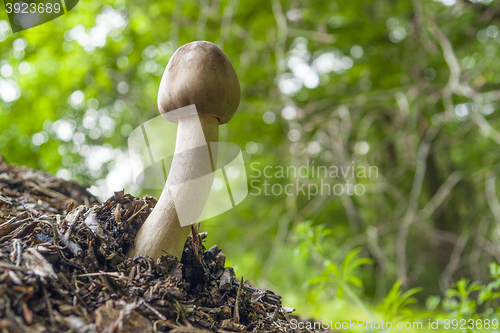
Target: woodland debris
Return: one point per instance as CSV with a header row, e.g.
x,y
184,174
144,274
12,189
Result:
x,y
63,267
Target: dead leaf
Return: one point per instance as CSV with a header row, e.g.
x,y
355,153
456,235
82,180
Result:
x,y
231,325
111,320
38,264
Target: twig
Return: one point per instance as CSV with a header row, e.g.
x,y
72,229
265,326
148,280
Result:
x,y
49,305
403,104
5,200
454,83
280,18
449,56
11,225
475,255
413,202
119,275
55,231
489,247
437,234
11,266
236,303
491,196
441,194
227,17
486,127
283,226
156,312
381,258
46,191
444,282
16,244
175,23
140,210
421,27
196,240
201,24
351,212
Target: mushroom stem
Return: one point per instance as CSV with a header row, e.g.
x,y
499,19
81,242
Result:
x,y
162,231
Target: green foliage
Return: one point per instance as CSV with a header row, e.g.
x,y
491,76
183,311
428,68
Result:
x,y
396,303
469,304
345,275
458,302
310,239
491,292
472,300
472,303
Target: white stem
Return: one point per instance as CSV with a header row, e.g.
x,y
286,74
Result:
x,y
162,231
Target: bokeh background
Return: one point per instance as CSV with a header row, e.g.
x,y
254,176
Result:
x,y
408,87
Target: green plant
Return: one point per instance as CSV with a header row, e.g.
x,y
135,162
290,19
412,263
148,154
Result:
x,y
344,277
470,306
490,293
459,302
396,302
310,239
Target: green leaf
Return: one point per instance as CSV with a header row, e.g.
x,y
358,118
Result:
x,y
355,281
332,268
340,293
318,279
348,259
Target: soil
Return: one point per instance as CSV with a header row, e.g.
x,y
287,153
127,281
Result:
x,y
63,268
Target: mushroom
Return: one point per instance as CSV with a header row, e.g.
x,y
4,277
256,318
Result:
x,y
199,91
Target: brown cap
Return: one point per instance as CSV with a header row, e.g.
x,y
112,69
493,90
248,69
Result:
x,y
200,73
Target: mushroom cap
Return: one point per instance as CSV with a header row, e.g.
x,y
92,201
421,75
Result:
x,y
199,73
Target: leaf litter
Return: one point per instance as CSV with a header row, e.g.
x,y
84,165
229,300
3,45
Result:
x,y
63,268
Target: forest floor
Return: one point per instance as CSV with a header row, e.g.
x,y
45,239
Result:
x,y
63,267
